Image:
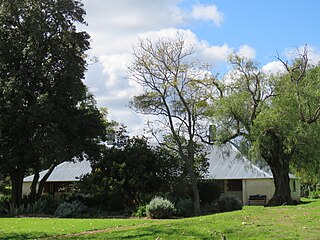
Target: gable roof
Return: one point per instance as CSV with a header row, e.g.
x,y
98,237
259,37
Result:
x,y
65,172
226,162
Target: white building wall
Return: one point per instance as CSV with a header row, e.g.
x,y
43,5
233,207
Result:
x,y
266,187
295,190
257,186
26,188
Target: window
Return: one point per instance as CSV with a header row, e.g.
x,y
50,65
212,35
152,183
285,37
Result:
x,y
234,185
294,187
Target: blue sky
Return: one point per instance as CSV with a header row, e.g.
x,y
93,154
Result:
x,y
254,28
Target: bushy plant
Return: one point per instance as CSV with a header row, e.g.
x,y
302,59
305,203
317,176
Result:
x,y
140,211
210,208
70,209
184,207
160,207
50,204
26,208
4,203
209,191
314,194
229,203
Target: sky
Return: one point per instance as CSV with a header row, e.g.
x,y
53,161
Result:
x,y
257,29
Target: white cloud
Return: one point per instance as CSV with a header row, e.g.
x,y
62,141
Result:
x,y
273,68
115,27
209,12
215,54
313,53
247,52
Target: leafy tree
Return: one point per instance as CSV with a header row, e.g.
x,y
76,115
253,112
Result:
x,y
47,114
176,92
277,114
127,174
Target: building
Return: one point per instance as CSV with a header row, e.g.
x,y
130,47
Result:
x,y
62,176
239,177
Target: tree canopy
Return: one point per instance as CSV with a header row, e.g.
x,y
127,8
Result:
x,y
278,115
176,91
47,113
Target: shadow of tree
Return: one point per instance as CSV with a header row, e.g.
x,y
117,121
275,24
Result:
x,y
23,236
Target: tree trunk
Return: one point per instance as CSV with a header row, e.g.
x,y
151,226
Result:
x,y
282,194
45,178
33,188
195,191
273,152
194,184
16,183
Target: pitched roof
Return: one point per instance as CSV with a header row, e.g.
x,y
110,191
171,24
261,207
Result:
x,y
65,172
226,162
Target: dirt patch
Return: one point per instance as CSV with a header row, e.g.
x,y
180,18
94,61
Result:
x,y
111,229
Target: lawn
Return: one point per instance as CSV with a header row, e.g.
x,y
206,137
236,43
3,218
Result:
x,y
253,222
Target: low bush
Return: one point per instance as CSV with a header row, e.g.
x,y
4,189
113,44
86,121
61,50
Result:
x,y
229,203
209,191
140,211
160,207
314,194
70,209
4,203
184,207
25,209
210,208
50,204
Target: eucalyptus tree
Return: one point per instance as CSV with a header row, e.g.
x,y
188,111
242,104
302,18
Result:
x,y
277,114
47,114
175,92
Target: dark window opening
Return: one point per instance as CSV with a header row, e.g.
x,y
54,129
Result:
x,y
234,185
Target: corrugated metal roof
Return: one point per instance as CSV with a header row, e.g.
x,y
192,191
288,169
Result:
x,y
226,162
65,172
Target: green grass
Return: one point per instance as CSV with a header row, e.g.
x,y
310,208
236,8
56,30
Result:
x,y
253,222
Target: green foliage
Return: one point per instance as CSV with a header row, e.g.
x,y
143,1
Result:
x,y
177,92
314,194
128,175
35,208
49,203
210,208
184,207
160,207
252,223
47,113
140,211
4,203
209,191
229,203
70,209
277,116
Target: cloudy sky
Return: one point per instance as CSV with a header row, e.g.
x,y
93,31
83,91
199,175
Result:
x,y
258,29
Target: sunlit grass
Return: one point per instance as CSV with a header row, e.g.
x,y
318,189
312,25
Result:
x,y
253,222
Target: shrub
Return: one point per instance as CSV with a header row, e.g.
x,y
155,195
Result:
x,y
184,207
229,203
209,191
70,209
50,204
4,203
210,208
314,194
159,207
140,211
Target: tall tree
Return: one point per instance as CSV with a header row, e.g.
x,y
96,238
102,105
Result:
x,y
128,174
47,114
276,114
175,92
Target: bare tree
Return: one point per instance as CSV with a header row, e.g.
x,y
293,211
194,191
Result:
x,y
176,91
